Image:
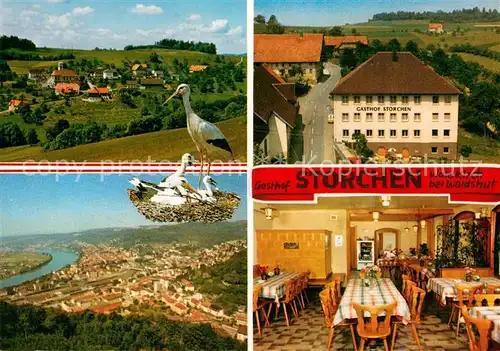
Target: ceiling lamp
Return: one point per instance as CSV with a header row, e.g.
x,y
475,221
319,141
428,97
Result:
x,y
422,224
407,230
386,200
375,216
415,228
484,212
477,215
269,212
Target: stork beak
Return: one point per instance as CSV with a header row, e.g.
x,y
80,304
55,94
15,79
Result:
x,y
190,188
170,98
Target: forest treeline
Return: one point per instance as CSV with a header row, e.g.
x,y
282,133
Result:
x,y
464,15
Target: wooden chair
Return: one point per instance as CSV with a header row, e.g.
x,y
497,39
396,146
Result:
x,y
373,328
405,278
486,300
416,303
461,297
421,280
492,288
288,300
483,326
330,309
409,289
336,288
259,305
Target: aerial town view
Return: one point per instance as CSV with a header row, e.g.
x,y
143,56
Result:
x,y
337,85
98,275
76,86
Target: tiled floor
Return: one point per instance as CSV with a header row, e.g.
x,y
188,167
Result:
x,y
308,332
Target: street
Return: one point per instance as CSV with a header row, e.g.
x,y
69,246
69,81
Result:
x,y
318,134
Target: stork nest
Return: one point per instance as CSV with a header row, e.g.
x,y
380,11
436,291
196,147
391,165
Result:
x,y
222,210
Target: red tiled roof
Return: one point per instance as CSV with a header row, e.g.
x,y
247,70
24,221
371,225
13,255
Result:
x,y
187,283
272,48
67,88
197,68
107,308
65,73
98,91
435,26
139,65
348,39
18,103
274,74
382,75
181,306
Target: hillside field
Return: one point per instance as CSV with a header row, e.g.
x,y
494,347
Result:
x,y
115,57
165,145
486,62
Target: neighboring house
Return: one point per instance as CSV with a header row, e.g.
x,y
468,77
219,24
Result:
x,y
139,69
275,111
399,103
110,74
67,89
96,72
242,333
132,84
283,51
64,76
151,82
35,73
343,42
436,28
197,68
14,104
158,74
98,94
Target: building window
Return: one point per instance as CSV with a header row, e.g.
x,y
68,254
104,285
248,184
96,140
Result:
x,y
381,117
392,133
357,131
417,99
416,133
369,133
417,117
434,150
404,99
345,132
435,99
446,132
446,150
435,117
357,99
447,99
369,117
404,117
369,99
345,99
357,117
381,99
381,133
434,132
394,99
345,117
404,133
447,116
393,117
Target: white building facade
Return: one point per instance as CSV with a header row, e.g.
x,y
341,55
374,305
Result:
x,y
398,104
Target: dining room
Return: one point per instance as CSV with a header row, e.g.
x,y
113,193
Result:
x,y
421,260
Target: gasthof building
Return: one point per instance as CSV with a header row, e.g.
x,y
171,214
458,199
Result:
x,y
399,103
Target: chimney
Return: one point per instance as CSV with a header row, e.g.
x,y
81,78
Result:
x,y
394,56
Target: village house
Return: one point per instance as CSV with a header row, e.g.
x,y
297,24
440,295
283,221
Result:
x,y
15,104
62,75
188,286
275,112
339,43
242,333
107,309
36,73
96,72
285,51
67,89
110,74
436,28
139,70
158,74
151,82
179,308
197,68
98,94
132,84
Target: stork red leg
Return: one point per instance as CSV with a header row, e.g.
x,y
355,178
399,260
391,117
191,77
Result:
x,y
209,163
201,169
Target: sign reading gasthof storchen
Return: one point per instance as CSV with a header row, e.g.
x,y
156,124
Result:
x,y
304,184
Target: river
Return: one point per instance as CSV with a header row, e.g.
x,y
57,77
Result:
x,y
59,260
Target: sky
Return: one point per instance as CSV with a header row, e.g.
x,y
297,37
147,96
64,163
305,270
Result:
x,y
48,204
340,12
117,23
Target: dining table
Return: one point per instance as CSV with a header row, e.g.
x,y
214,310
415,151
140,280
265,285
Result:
x,y
491,313
274,287
380,292
445,288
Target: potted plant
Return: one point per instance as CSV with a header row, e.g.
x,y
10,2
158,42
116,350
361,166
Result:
x,y
263,272
469,272
413,251
277,270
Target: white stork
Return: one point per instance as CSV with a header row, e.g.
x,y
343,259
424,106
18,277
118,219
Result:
x,y
207,194
204,134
